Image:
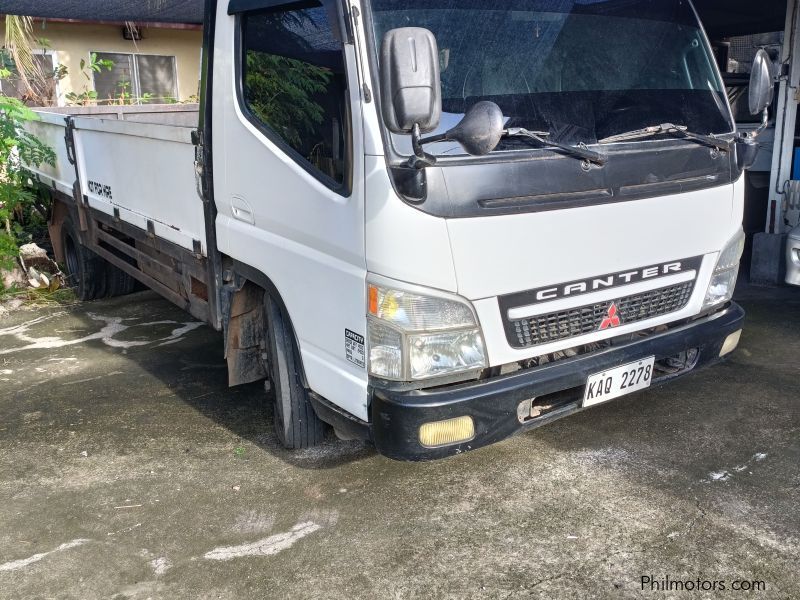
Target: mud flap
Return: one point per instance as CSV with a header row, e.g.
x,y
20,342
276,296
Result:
x,y
245,346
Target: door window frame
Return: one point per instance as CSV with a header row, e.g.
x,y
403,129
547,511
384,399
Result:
x,y
343,188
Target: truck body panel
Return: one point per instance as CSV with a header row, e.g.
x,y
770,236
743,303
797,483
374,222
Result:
x,y
404,243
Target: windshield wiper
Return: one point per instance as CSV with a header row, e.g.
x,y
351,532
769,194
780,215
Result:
x,y
671,129
580,151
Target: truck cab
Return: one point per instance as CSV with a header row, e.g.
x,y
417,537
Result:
x,y
435,224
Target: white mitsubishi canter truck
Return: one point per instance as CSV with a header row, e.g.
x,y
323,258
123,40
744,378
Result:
x,y
427,223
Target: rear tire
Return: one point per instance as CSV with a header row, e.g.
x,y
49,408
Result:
x,y
118,282
85,271
296,423
91,276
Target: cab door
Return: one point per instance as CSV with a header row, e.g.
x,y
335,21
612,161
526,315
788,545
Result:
x,y
288,172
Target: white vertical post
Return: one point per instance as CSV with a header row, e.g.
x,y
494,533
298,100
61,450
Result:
x,y
786,120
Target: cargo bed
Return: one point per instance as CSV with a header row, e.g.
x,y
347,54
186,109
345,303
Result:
x,y
126,176
134,163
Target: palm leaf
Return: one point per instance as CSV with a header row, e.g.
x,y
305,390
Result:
x,y
20,43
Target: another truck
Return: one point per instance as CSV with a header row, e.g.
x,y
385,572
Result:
x,y
426,224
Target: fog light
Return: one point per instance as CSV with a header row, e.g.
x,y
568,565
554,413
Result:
x,y
444,433
731,342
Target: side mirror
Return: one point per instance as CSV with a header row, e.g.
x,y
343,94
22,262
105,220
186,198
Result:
x,y
478,132
411,93
761,84
760,97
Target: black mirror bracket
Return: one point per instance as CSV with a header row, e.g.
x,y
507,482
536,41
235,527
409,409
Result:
x,y
421,159
750,137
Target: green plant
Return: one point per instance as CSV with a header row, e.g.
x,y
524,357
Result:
x,y
19,204
281,92
88,97
123,93
124,97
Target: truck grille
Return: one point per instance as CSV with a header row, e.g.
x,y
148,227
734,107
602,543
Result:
x,y
583,320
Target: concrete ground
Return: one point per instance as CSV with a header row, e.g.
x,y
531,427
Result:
x,y
129,470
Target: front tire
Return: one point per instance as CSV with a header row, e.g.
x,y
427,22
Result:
x,y
296,423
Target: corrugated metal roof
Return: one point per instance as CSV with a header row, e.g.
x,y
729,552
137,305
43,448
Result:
x,y
721,17
163,11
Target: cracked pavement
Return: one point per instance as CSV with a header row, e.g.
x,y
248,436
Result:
x,y
129,470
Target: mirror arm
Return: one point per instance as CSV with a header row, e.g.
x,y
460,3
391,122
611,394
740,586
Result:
x,y
754,134
764,121
439,137
421,159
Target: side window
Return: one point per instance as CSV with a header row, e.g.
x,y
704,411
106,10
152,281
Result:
x,y
44,87
116,79
294,84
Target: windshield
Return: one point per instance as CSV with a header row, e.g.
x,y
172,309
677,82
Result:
x,y
583,70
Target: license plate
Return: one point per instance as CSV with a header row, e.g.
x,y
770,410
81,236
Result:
x,y
616,382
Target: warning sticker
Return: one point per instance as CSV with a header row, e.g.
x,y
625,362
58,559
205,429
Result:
x,y
354,348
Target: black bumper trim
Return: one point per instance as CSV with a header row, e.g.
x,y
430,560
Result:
x,y
397,415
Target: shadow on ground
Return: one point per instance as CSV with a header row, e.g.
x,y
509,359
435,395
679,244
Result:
x,y
149,334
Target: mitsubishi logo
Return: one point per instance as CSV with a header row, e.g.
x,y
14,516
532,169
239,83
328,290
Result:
x,y
612,319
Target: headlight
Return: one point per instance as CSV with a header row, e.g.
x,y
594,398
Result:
x,y
723,281
413,337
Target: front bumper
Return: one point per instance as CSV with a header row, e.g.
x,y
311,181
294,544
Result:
x,y
492,403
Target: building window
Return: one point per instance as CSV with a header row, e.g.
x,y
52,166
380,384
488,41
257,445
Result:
x,y
44,83
294,85
136,79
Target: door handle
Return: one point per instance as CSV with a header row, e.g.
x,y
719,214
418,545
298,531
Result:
x,y
241,210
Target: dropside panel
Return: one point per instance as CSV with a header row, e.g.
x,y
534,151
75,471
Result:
x,y
51,129
144,172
